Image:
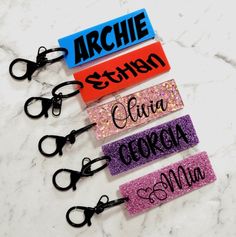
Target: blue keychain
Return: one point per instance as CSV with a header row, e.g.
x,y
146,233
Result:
x,y
107,38
92,43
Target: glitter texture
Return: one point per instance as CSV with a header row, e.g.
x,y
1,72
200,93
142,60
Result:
x,y
151,144
109,123
153,189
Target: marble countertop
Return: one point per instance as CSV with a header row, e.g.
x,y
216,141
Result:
x,y
199,40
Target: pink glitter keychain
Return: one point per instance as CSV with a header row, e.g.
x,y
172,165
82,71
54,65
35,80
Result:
x,y
168,183
135,109
154,189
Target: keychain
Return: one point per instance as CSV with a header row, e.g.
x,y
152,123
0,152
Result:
x,y
60,141
106,38
93,43
41,61
90,211
122,71
137,149
86,171
151,144
105,78
154,189
135,109
98,41
55,102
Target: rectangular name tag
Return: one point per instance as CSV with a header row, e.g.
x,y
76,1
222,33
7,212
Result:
x,y
168,183
135,109
107,38
151,144
121,72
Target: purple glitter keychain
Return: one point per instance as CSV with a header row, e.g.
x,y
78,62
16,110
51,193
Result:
x,y
151,144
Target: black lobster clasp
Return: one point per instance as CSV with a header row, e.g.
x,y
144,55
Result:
x,y
41,60
55,102
86,171
61,141
88,212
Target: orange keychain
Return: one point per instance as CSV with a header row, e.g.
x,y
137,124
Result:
x,y
122,72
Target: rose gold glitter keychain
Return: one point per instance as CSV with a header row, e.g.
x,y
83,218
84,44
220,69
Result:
x,y
135,109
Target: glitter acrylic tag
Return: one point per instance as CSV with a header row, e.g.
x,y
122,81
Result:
x,y
151,144
168,183
151,190
121,72
107,38
135,109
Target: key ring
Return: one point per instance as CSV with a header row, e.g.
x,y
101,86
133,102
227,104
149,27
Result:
x,y
66,83
41,60
90,211
55,102
86,171
48,51
60,141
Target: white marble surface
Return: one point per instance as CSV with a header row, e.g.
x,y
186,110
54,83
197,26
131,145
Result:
x,y
199,40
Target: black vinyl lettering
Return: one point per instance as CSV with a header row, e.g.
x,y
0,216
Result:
x,y
152,140
127,68
140,26
150,144
143,148
180,134
171,134
80,50
172,180
104,33
133,153
121,33
92,39
167,143
144,111
99,85
121,112
157,58
141,66
110,76
132,102
126,159
133,68
131,29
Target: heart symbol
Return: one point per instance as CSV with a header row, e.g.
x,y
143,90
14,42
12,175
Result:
x,y
145,193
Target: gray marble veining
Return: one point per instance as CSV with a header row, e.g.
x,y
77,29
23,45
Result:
x,y
199,40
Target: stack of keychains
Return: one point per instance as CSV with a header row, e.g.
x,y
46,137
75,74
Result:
x,y
121,114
